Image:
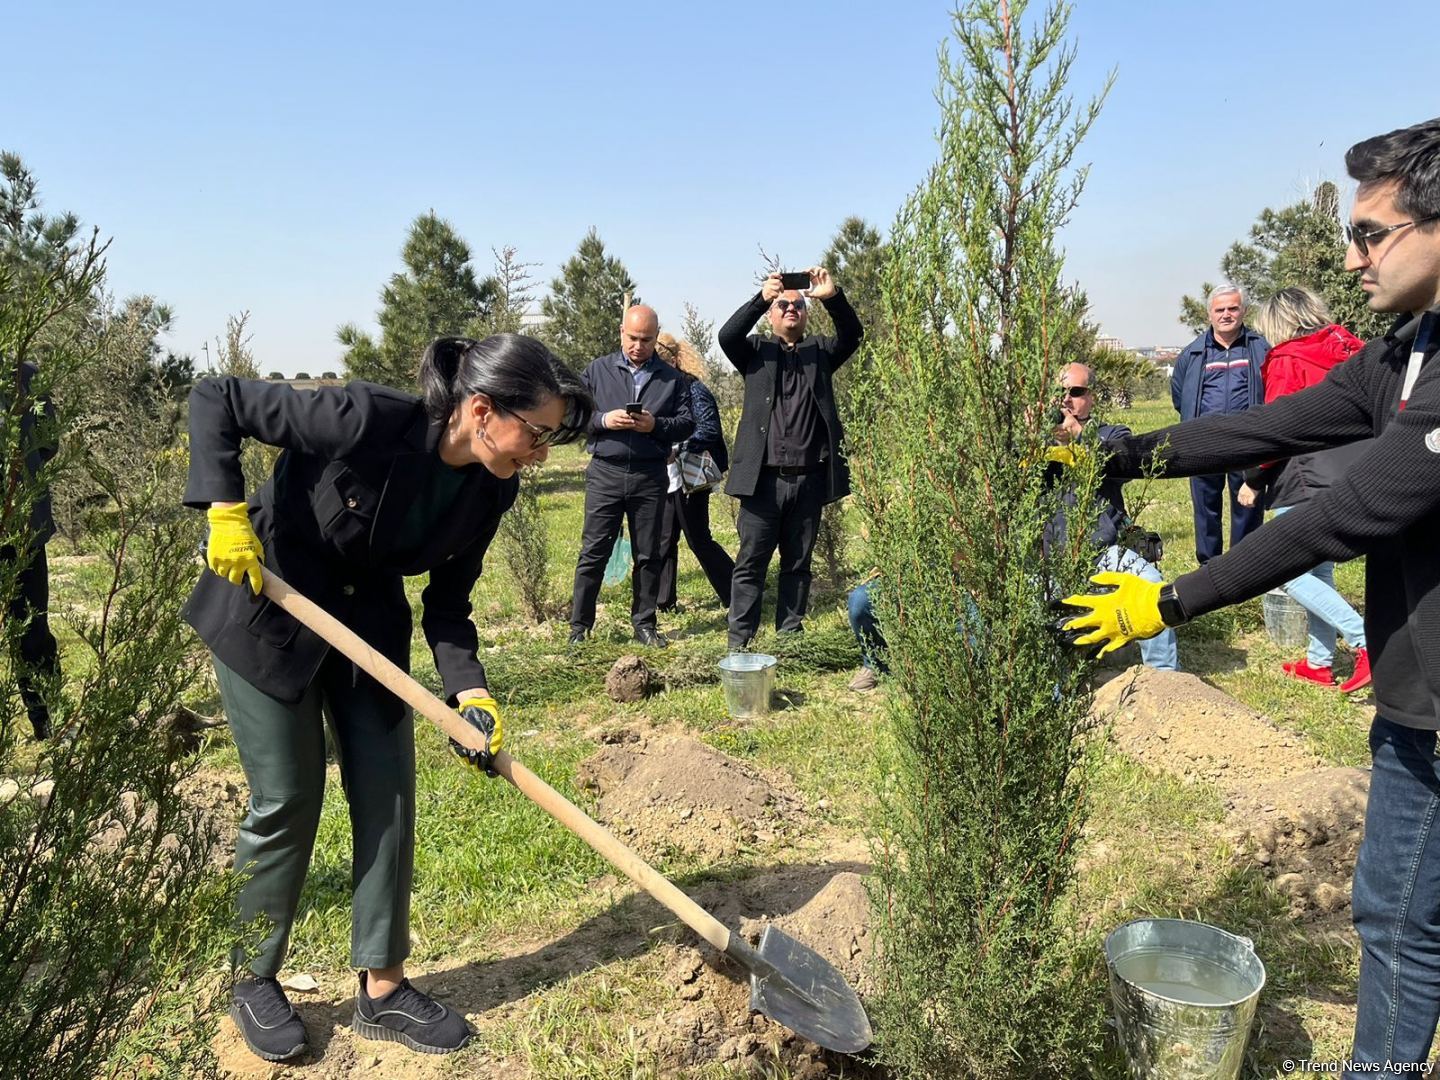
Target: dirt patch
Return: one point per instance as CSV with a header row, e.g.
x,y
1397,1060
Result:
x,y
1304,833
1170,720
671,793
836,924
1295,820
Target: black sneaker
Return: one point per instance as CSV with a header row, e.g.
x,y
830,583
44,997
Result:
x,y
578,635
267,1021
648,635
407,1016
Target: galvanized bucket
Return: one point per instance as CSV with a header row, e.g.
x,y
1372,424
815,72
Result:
x,y
1184,996
747,679
1286,620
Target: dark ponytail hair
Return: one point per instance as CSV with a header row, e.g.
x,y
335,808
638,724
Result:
x,y
512,370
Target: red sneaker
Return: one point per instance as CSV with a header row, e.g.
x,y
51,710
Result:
x,y
1361,678
1301,669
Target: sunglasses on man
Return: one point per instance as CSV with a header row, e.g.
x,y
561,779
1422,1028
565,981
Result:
x,y
1361,240
785,305
1075,391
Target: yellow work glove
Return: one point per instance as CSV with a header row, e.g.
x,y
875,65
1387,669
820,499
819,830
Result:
x,y
1130,611
232,549
1070,455
483,714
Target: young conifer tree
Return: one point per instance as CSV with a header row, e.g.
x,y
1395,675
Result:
x,y
983,802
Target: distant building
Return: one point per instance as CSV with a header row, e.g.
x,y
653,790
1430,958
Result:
x,y
1110,342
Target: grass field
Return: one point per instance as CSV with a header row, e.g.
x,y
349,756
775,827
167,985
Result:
x,y
495,875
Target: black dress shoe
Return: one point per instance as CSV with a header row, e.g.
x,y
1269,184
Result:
x,y
648,635
578,635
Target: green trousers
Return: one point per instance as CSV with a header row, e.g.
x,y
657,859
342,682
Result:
x,y
282,749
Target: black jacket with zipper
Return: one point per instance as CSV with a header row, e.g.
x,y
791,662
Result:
x,y
664,395
1385,506
352,461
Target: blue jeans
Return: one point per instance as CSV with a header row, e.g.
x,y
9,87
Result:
x,y
865,628
1396,899
1162,651
1329,611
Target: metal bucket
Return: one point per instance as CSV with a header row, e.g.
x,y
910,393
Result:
x,y
747,679
1286,620
1184,996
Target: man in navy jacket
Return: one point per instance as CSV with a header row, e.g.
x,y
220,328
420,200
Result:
x,y
1219,372
626,476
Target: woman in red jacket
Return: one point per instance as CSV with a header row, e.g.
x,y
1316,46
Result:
x,y
1308,345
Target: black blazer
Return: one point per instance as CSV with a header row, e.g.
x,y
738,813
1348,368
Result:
x,y
757,360
353,459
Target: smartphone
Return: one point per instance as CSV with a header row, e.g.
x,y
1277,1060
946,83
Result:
x,y
798,280
634,408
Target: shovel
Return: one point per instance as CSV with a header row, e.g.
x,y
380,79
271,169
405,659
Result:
x,y
789,982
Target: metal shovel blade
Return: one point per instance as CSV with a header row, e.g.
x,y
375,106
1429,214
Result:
x,y
804,992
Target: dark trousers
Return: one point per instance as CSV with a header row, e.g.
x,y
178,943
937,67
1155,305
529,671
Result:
x,y
783,512
36,657
282,750
612,494
1207,493
690,515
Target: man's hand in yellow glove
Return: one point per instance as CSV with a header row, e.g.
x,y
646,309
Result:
x,y
483,714
1128,611
1071,455
232,549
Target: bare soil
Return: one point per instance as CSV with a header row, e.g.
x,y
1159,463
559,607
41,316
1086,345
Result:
x,y
668,794
1296,820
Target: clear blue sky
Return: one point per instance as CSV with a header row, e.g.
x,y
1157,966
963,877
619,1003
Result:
x,y
271,157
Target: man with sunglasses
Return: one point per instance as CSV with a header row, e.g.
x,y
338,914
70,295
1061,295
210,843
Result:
x,y
1219,373
1386,506
627,475
787,462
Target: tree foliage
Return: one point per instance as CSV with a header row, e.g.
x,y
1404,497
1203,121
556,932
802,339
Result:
x,y
437,293
114,923
1302,244
586,302
983,801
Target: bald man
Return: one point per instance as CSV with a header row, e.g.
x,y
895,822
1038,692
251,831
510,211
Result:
x,y
642,409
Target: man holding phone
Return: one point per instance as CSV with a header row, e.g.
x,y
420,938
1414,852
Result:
x,y
642,406
787,462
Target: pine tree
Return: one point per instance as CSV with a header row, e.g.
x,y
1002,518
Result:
x,y
584,308
1303,244
982,807
437,293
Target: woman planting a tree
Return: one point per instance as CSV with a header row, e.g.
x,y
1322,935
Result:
x,y
373,485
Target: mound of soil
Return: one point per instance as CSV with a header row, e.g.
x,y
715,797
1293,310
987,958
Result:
x,y
672,793
1172,721
836,924
1304,833
1298,822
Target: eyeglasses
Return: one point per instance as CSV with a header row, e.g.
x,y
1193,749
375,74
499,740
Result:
x,y
539,436
1075,391
785,305
1361,240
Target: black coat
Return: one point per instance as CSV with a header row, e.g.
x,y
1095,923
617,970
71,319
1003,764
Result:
x,y
757,360
354,457
37,443
664,395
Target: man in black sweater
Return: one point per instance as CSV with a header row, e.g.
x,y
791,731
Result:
x,y
627,474
1387,507
787,463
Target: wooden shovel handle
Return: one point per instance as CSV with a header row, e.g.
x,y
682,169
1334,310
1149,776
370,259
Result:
x,y
538,791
